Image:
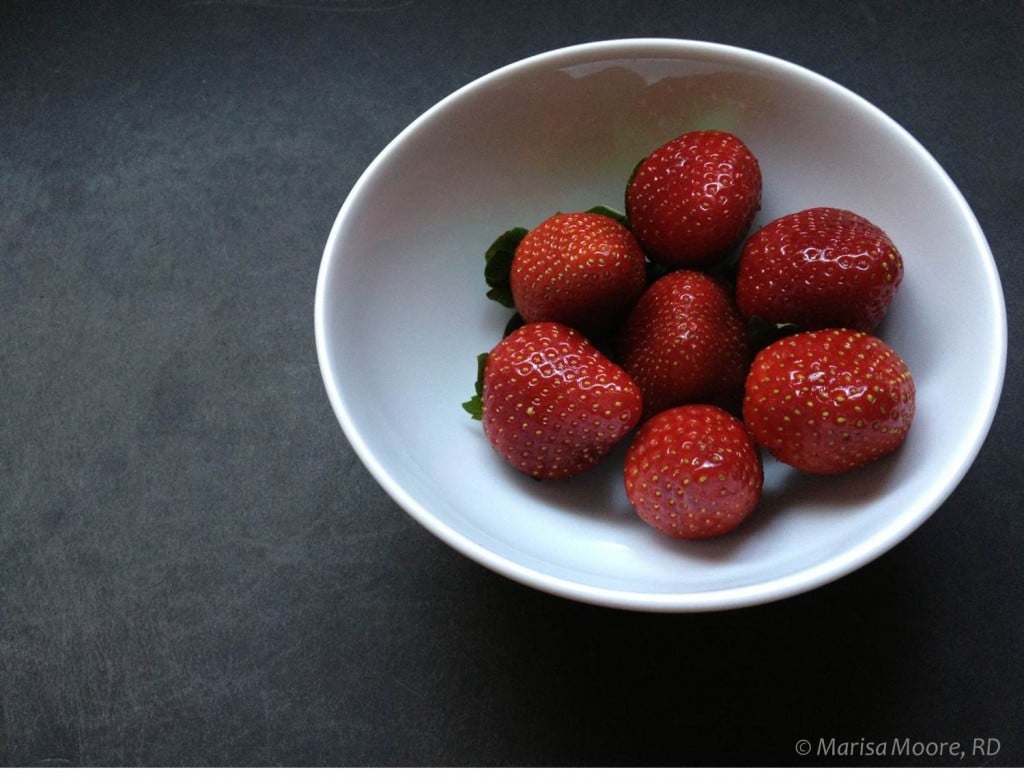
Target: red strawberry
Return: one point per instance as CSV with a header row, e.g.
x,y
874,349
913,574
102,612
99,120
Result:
x,y
693,472
819,268
694,198
684,342
553,405
584,270
829,401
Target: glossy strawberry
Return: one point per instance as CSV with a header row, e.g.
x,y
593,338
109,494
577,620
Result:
x,y
584,270
819,268
829,401
684,342
693,472
553,405
694,198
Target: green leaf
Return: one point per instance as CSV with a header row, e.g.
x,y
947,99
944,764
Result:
x,y
513,324
603,210
502,295
474,406
499,256
761,332
656,270
633,172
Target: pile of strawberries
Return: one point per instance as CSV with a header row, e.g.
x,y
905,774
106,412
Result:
x,y
706,343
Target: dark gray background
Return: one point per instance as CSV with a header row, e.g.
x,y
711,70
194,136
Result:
x,y
195,568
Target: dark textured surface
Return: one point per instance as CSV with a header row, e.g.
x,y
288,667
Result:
x,y
195,569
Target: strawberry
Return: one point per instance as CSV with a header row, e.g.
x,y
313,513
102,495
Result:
x,y
693,472
584,270
684,342
819,268
551,404
694,198
829,401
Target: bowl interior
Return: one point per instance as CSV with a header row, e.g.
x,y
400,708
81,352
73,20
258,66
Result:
x,y
401,315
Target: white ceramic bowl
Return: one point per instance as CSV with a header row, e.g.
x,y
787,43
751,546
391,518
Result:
x,y
400,315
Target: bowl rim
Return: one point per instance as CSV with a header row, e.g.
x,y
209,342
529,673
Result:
x,y
806,579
